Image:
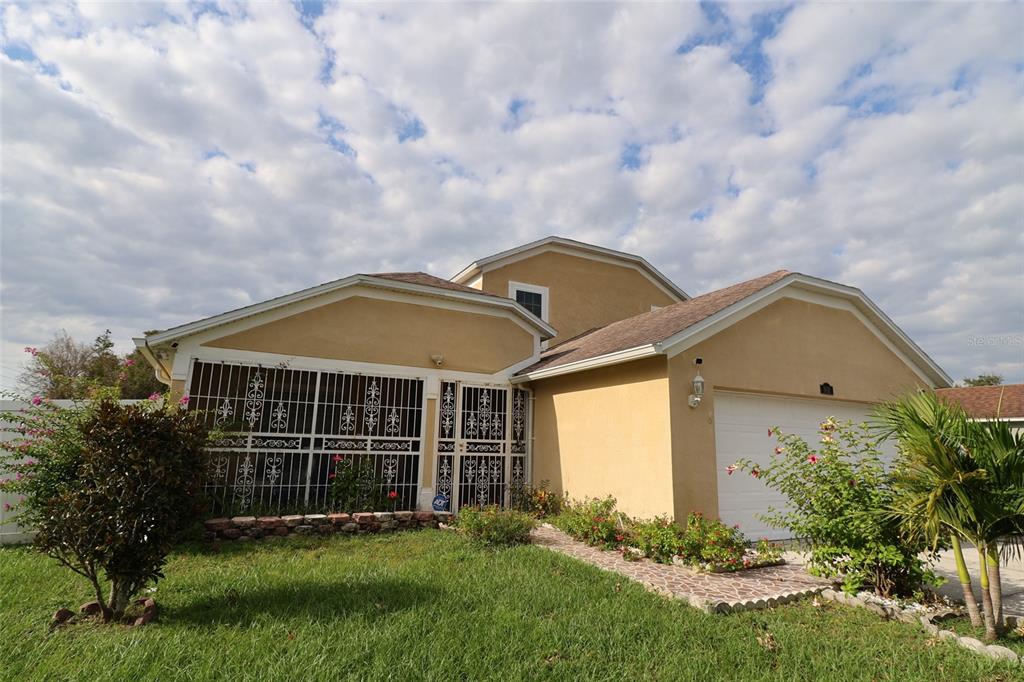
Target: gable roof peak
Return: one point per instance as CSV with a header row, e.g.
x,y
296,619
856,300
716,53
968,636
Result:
x,y
575,247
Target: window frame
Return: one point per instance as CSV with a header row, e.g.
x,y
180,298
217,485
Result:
x,y
514,287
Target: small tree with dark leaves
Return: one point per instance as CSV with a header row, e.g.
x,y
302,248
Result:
x,y
109,488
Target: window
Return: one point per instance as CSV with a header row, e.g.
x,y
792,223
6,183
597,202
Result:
x,y
532,297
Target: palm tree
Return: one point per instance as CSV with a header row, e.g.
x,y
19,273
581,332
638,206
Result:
x,y
960,479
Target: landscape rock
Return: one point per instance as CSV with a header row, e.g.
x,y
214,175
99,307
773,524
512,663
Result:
x,y
293,520
269,521
61,616
217,524
90,608
244,521
231,534
1001,653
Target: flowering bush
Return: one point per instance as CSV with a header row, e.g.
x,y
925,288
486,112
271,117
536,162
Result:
x,y
658,539
108,488
595,522
538,501
494,526
355,486
709,543
839,494
768,552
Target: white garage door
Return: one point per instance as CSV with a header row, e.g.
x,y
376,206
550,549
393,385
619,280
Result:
x,y
741,431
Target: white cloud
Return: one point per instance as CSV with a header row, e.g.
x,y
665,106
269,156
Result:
x,y
162,163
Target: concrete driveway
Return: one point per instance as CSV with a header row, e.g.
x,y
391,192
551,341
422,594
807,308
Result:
x,y
1012,574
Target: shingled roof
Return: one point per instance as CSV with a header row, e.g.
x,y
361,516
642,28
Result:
x,y
986,402
424,279
652,327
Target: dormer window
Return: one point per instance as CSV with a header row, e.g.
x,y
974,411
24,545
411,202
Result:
x,y
532,297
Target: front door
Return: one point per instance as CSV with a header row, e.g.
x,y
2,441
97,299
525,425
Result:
x,y
482,444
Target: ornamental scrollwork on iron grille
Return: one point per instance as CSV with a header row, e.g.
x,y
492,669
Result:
x,y
254,400
245,480
277,443
391,445
279,417
518,471
444,476
448,411
345,444
484,411
224,412
273,470
371,408
348,420
392,424
390,470
484,447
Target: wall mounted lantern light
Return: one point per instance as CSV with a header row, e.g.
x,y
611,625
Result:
x,y
698,385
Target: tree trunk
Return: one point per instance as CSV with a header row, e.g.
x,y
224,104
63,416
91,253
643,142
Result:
x,y
995,587
965,583
986,596
119,598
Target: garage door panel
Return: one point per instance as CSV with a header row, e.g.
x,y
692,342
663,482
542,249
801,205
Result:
x,y
741,432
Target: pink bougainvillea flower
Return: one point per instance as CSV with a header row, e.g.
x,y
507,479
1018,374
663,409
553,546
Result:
x,y
336,459
393,494
128,362
32,351
730,469
755,473
332,475
769,433
778,450
36,400
154,396
184,401
812,458
7,507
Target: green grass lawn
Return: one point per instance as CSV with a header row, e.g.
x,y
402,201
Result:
x,y
428,605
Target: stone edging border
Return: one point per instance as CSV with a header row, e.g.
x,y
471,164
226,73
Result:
x,y
993,651
750,604
241,528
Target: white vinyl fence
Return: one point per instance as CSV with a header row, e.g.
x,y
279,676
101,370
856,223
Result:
x,y
10,532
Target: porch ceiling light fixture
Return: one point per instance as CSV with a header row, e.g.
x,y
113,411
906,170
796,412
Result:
x,y
698,387
438,359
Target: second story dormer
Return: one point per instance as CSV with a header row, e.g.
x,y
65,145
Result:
x,y
571,285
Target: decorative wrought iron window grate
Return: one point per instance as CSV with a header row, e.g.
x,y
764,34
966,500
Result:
x,y
287,430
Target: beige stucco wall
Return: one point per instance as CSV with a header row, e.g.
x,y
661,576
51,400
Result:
x,y
606,432
788,348
389,332
584,293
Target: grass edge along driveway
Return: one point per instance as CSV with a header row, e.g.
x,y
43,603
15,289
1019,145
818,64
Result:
x,y
430,605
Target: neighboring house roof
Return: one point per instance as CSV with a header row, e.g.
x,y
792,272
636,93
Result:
x,y
673,328
554,243
408,282
988,402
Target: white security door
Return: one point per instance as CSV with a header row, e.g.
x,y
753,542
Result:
x,y
741,431
482,444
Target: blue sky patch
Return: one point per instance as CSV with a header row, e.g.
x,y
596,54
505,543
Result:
x,y
633,156
411,129
702,214
518,113
332,130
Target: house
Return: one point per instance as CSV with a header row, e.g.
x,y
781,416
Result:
x,y
554,361
983,403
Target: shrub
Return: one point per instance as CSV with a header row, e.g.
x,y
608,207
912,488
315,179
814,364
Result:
x,y
355,486
496,527
595,522
709,543
109,488
839,493
537,500
658,539
768,552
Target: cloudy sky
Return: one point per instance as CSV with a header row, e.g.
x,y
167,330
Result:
x,y
164,162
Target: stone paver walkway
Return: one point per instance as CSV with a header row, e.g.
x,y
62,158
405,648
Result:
x,y
713,592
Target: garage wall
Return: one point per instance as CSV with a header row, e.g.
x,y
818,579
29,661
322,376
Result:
x,y
606,432
788,348
584,293
390,332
